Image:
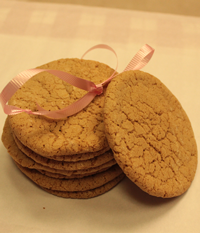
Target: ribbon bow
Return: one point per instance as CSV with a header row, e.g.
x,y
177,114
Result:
x,y
141,58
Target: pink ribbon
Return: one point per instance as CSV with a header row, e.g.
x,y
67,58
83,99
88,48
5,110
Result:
x,y
141,58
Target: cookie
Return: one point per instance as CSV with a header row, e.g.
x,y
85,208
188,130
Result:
x,y
72,158
63,165
90,193
150,134
84,172
61,176
25,161
80,133
78,157
72,185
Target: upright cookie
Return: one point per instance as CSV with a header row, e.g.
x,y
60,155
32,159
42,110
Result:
x,y
80,133
150,134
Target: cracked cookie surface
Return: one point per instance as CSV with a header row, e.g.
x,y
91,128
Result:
x,y
72,185
81,158
62,168
80,133
150,134
61,176
89,193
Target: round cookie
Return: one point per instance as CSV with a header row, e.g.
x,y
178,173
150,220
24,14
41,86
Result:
x,y
60,176
89,193
72,185
63,165
150,134
78,157
72,158
19,157
80,133
85,172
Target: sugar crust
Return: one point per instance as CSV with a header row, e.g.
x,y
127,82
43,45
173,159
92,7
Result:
x,y
150,134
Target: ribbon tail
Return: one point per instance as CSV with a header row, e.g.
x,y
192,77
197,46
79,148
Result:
x,y
58,114
141,58
11,110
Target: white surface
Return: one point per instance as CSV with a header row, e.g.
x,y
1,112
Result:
x,y
32,34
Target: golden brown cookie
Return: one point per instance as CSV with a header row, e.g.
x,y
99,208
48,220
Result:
x,y
150,134
89,193
71,173
72,158
72,185
63,165
78,157
25,161
73,176
80,133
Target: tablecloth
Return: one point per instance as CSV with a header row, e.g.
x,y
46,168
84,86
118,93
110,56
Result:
x,y
34,33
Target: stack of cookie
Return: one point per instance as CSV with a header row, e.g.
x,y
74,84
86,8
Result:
x,y
147,129
69,157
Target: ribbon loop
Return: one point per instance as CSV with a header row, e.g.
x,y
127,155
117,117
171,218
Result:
x,y
141,58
